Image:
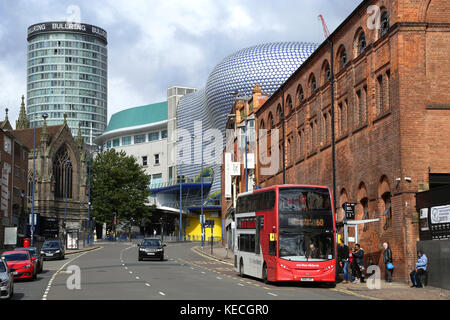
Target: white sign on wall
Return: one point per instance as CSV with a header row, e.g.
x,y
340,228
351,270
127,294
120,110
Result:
x,y
440,215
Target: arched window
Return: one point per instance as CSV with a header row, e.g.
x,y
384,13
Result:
x,y
278,113
384,23
289,104
362,43
300,94
326,72
312,83
63,173
271,122
342,57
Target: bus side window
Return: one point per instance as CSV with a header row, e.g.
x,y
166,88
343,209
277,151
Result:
x,y
257,235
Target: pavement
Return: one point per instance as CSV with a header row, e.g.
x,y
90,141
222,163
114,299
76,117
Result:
x,y
396,290
84,249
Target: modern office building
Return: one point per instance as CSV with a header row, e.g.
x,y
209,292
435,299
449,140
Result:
x,y
67,74
142,133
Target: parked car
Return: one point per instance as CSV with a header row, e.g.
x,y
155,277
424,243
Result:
x,y
6,281
35,253
151,248
23,264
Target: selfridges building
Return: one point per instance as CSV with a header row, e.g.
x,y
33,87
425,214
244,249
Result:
x,y
269,65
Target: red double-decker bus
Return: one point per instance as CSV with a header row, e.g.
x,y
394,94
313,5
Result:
x,y
286,233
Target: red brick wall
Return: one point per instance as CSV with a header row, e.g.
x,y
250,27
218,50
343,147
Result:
x,y
409,139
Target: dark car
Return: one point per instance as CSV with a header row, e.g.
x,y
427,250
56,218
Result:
x,y
53,249
152,249
34,253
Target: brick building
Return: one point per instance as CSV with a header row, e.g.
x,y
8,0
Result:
x,y
390,66
14,173
233,179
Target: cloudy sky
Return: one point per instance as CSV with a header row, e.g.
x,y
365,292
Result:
x,y
156,44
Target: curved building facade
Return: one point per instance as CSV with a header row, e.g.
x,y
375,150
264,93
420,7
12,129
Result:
x,y
269,65
67,69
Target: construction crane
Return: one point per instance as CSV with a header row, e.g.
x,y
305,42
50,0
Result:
x,y
326,32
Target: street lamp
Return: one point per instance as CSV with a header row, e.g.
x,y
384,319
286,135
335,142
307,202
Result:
x,y
201,197
66,174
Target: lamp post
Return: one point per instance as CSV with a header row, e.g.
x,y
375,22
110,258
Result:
x,y
181,202
44,116
66,174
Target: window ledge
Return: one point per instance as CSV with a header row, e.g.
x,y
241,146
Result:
x,y
342,137
382,116
361,127
313,153
300,160
326,146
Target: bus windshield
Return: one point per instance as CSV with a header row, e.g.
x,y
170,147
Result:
x,y
306,226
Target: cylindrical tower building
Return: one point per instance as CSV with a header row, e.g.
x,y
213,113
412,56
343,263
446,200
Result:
x,y
67,74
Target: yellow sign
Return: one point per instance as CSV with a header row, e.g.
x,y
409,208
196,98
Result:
x,y
273,237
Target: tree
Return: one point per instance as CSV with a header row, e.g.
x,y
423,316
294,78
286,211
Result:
x,y
119,185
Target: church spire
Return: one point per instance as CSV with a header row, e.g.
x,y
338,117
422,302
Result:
x,y
22,122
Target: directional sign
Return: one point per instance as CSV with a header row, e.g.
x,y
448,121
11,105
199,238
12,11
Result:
x,y
349,209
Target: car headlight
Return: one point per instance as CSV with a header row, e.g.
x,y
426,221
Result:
x,y
141,249
42,252
4,283
28,266
58,251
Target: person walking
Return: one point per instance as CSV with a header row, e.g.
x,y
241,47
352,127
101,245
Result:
x,y
387,259
344,257
421,267
358,264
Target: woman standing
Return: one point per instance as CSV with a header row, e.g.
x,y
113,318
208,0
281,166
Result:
x,y
387,259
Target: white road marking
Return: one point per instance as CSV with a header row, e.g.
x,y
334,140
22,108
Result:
x,y
219,278
240,284
272,294
162,293
147,284
137,278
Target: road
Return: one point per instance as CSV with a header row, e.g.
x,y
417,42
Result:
x,y
113,273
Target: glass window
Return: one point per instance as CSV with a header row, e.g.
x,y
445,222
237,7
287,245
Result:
x,y
126,141
116,142
7,146
153,136
139,138
156,159
156,180
164,134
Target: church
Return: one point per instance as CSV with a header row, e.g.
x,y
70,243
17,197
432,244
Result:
x,y
61,182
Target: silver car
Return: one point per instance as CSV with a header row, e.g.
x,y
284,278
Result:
x,y
6,281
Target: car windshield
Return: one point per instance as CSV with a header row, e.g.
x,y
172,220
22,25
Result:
x,y
50,245
2,267
19,256
152,243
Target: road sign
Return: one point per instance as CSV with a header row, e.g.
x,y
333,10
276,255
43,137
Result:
x,y
349,209
209,224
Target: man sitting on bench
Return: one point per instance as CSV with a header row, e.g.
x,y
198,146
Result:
x,y
421,268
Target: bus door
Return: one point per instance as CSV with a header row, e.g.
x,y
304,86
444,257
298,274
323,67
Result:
x,y
272,258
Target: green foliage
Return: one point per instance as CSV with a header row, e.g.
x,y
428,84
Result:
x,y
119,185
